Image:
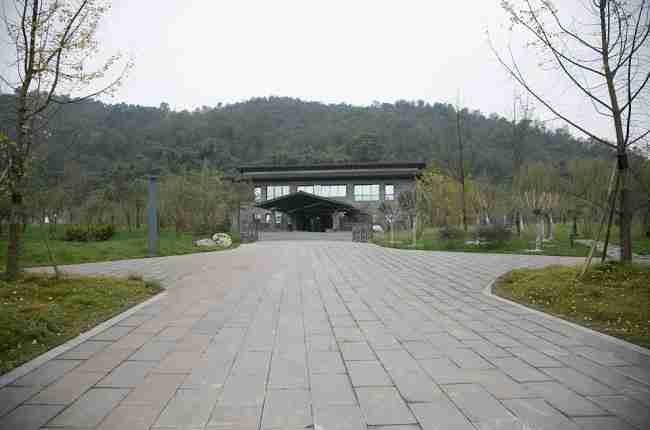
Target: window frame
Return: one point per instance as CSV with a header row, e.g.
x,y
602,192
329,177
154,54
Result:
x,y
368,194
392,194
284,190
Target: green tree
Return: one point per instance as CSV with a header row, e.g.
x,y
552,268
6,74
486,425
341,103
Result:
x,y
52,40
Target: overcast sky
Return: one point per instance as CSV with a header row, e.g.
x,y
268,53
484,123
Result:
x,y
191,53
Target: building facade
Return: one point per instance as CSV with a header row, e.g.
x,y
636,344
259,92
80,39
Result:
x,y
322,197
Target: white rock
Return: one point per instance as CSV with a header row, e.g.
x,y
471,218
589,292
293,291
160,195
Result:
x,y
205,242
222,239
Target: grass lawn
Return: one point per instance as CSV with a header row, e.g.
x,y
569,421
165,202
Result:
x,y
429,241
121,246
611,298
39,312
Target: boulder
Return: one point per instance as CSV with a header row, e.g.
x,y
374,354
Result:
x,y
222,239
205,242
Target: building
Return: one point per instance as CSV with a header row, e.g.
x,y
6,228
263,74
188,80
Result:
x,y
323,197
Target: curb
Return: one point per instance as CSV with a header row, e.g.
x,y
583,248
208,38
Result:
x,y
25,368
619,342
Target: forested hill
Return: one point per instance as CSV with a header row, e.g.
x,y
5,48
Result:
x,y
283,130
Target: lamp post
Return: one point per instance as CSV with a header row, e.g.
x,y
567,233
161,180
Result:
x,y
152,216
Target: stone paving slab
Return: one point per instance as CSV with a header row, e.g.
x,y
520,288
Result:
x,y
333,335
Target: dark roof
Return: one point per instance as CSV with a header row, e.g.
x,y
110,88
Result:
x,y
338,171
334,166
306,203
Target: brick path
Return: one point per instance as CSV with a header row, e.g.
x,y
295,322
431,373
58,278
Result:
x,y
333,336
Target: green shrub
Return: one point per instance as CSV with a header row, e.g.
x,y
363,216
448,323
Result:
x,y
496,233
75,233
102,232
82,233
451,233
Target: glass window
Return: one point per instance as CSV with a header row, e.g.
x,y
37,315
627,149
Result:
x,y
258,194
366,193
331,190
278,218
275,191
389,192
325,190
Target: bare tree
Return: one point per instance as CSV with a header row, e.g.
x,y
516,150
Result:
x,y
604,58
55,46
521,119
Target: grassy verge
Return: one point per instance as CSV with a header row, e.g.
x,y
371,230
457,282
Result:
x,y
39,312
610,298
121,246
429,241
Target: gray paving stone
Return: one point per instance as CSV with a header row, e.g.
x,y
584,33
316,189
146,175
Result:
x,y
188,409
373,296
422,350
90,409
348,334
487,349
47,373
286,373
208,373
67,389
368,373
356,351
477,404
627,409
325,362
539,415
383,406
84,350
602,423
497,383
244,390
113,333
322,343
565,400
132,417
128,374
29,417
398,359
604,358
235,418
465,358
339,417
578,382
287,409
328,389
518,370
416,386
635,372
10,397
135,320
440,415
535,358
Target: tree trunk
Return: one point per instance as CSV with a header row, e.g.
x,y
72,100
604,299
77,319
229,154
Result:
x,y
540,233
625,235
14,236
461,170
518,222
646,222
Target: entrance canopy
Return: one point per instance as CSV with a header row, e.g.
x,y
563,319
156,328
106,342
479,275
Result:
x,y
308,205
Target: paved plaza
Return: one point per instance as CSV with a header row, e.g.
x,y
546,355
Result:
x,y
333,336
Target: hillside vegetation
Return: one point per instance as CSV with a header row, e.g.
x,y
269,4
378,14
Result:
x,y
91,138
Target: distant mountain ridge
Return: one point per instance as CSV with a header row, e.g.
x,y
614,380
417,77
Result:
x,y
282,130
